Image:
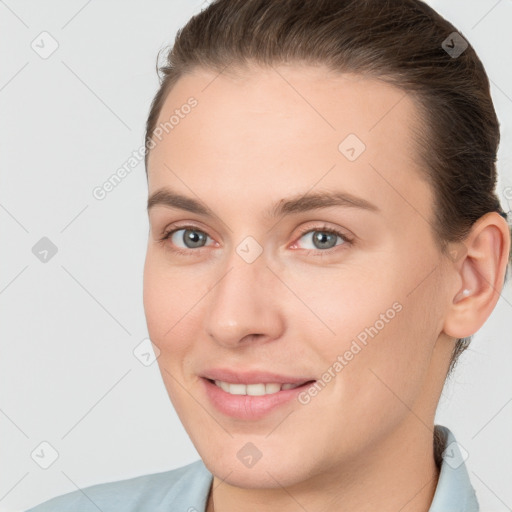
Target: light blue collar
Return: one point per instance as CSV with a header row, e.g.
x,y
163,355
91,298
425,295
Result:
x,y
454,492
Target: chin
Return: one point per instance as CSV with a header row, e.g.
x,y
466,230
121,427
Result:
x,y
269,472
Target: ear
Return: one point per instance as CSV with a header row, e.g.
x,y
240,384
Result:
x,y
480,262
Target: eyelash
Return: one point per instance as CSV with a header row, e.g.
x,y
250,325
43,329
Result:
x,y
314,252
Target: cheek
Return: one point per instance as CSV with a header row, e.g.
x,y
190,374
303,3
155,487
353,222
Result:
x,y
370,330
165,300
174,298
344,304
156,301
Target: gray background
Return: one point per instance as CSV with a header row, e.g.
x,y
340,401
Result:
x,y
69,326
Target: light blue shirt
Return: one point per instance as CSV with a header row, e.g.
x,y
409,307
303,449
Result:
x,y
186,489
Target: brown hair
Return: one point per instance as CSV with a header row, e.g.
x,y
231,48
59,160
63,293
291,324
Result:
x,y
397,41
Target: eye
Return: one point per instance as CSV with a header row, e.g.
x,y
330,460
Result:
x,y
189,240
322,238
184,238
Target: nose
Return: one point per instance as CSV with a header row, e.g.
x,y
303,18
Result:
x,y
244,304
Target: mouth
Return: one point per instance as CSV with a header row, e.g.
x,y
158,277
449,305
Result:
x,y
257,389
252,402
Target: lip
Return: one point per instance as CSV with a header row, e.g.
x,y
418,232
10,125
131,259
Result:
x,y
246,407
251,377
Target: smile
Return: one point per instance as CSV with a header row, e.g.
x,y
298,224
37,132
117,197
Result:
x,y
251,402
254,389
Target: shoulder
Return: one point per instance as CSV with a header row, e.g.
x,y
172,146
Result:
x,y
186,487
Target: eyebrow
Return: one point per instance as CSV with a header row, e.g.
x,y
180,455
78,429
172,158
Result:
x,y
292,205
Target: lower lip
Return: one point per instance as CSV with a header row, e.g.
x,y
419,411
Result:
x,y
247,407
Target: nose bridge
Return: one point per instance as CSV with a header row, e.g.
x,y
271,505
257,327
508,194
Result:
x,y
243,300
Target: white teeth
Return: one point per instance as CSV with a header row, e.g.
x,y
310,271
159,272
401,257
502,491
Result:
x,y
253,389
289,386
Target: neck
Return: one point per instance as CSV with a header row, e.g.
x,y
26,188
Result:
x,y
399,474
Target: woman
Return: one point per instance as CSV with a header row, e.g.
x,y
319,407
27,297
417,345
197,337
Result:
x,y
325,238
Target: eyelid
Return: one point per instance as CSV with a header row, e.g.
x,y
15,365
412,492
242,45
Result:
x,y
176,226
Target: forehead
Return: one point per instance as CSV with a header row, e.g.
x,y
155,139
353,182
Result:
x,y
283,130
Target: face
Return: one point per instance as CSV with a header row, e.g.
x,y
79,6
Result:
x,y
344,288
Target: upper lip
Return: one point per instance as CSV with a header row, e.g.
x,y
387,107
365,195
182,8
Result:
x,y
252,377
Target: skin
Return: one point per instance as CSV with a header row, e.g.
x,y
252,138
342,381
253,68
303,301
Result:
x,y
258,137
